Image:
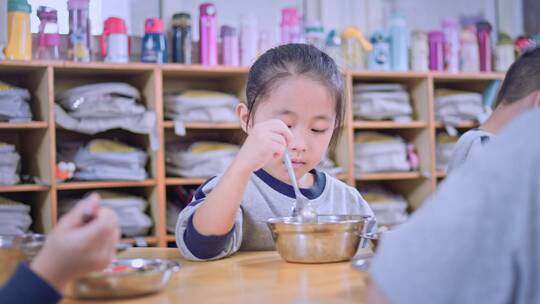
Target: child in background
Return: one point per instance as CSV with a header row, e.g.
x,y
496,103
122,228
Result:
x,y
519,93
294,101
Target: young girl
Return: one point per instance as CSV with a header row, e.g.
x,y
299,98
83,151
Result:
x,y
294,101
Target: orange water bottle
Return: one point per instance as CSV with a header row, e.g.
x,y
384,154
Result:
x,y
19,45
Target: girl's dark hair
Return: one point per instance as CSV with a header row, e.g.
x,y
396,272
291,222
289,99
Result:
x,y
522,78
282,62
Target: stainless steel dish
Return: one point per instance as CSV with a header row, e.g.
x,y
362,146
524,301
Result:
x,y
333,238
138,277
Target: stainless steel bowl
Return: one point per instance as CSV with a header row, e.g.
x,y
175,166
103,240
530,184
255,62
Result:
x,y
334,238
141,276
32,244
10,255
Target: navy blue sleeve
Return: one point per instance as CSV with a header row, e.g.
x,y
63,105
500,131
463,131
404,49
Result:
x,y
205,246
25,286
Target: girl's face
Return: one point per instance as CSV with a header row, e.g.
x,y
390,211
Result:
x,y
308,108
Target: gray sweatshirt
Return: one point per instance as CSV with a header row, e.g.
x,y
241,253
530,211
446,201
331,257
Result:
x,y
477,240
468,144
265,197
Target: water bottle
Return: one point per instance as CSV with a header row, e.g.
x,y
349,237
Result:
x,y
399,41
19,45
314,34
333,47
154,44
483,32
451,44
469,54
114,40
354,47
48,37
207,34
248,40
504,53
267,40
229,46
290,26
379,58
181,38
436,50
79,48
419,52
3,27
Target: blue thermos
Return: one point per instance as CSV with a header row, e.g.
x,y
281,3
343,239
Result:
x,y
399,44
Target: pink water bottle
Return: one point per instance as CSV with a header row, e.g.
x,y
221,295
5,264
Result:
x,y
48,37
229,46
436,51
290,26
483,32
207,34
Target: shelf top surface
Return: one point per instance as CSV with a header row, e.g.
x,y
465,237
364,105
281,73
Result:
x,y
175,69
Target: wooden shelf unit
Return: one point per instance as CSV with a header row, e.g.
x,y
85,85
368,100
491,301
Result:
x,y
461,125
81,185
382,125
389,176
24,188
37,141
204,126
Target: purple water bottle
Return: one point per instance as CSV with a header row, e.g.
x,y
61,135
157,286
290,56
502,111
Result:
x,y
483,32
207,34
229,46
436,51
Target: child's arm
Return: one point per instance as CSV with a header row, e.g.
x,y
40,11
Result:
x,y
210,227
266,140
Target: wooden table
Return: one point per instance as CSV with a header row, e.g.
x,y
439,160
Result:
x,y
251,277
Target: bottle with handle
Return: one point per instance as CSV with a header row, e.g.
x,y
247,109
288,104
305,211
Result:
x,y
181,38
115,41
19,45
207,34
354,47
48,37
